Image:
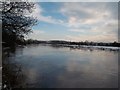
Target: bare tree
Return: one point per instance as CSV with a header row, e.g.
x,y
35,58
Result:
x,y
15,23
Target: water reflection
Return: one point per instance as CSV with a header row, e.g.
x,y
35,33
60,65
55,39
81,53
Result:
x,y
12,76
57,67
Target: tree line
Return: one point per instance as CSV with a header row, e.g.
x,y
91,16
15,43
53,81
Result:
x,y
88,43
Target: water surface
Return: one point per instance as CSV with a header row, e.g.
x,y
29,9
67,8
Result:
x,y
44,66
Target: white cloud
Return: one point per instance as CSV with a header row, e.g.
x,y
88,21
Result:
x,y
70,0
92,21
77,30
36,34
37,13
106,32
101,18
96,38
80,0
88,13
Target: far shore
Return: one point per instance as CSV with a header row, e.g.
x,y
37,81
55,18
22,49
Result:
x,y
114,46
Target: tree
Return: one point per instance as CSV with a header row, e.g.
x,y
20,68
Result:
x,y
15,22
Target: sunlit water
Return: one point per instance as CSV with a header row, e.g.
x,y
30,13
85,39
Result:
x,y
62,67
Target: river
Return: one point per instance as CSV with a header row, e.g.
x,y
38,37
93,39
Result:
x,y
46,66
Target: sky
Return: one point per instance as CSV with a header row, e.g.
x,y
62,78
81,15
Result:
x,y
76,21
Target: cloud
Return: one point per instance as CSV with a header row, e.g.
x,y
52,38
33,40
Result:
x,y
36,34
77,30
37,13
107,32
96,38
71,0
92,21
88,13
108,27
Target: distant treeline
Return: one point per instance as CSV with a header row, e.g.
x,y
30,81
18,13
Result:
x,y
114,44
